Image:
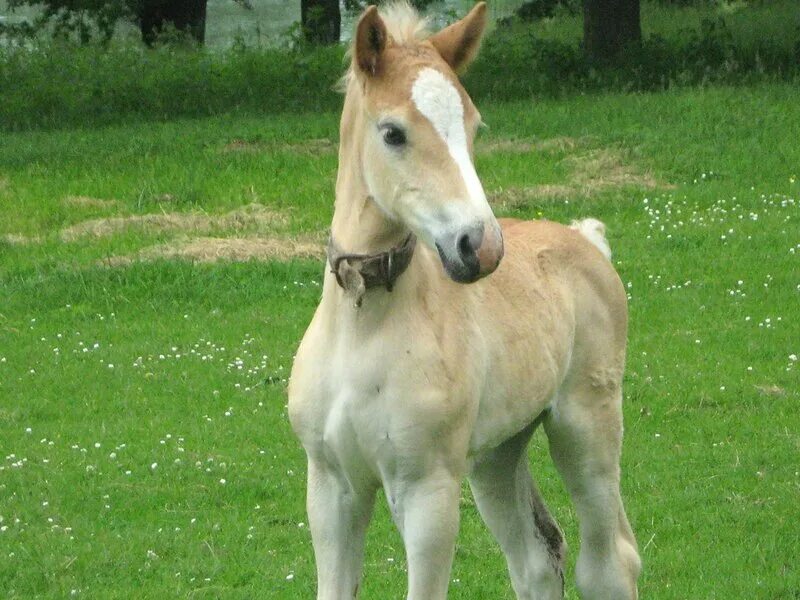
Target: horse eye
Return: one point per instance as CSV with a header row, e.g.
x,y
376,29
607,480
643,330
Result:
x,y
394,136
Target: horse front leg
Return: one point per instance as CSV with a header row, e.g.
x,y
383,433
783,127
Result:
x,y
426,513
338,517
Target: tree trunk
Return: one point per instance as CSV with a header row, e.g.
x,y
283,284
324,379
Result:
x,y
321,21
609,26
185,15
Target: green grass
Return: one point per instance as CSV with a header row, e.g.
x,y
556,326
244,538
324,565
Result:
x,y
710,473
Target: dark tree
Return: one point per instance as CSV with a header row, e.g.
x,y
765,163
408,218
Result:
x,y
188,16
321,21
609,26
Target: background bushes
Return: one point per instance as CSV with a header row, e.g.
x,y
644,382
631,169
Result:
x,y
53,84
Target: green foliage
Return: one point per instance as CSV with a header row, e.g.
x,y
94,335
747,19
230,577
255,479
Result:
x,y
710,55
57,84
16,33
536,10
359,5
86,19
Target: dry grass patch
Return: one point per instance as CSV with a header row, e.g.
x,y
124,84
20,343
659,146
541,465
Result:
x,y
556,144
213,249
251,216
89,202
771,390
17,239
519,197
591,172
314,146
604,168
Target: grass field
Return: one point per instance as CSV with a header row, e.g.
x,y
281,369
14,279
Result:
x,y
144,446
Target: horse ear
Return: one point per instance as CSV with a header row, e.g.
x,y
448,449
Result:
x,y
370,42
458,43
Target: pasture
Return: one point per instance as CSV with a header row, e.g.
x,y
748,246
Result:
x,y
155,279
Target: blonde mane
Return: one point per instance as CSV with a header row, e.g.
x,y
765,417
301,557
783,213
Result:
x,y
404,24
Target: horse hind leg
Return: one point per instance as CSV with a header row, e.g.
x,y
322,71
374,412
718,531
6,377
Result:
x,y
585,436
513,510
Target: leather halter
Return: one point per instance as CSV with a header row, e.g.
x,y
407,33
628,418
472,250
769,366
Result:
x,y
356,273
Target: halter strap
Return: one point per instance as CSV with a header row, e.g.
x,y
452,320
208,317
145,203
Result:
x,y
370,270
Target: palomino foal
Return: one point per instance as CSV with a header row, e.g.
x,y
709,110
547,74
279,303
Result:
x,y
410,380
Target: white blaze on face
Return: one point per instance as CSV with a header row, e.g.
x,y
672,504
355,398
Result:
x,y
439,102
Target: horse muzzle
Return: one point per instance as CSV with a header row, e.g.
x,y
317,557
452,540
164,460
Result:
x,y
471,253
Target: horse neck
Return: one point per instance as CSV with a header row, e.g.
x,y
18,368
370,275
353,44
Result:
x,y
359,225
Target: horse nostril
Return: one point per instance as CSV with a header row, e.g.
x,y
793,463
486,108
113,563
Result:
x,y
465,249
460,254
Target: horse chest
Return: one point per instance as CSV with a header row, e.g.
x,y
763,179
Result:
x,y
340,399
367,407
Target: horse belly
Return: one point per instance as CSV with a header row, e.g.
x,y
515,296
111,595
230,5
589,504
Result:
x,y
526,364
509,405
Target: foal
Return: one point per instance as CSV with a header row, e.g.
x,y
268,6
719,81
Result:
x,y
410,380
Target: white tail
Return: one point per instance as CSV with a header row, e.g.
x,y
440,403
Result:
x,y
594,231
